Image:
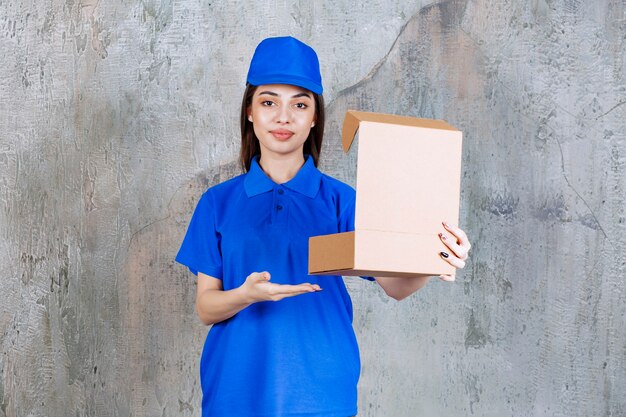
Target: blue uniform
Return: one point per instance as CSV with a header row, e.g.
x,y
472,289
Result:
x,y
296,357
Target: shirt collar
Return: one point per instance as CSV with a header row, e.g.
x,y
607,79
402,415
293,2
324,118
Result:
x,y
307,180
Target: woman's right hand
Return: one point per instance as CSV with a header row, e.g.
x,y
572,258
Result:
x,y
258,287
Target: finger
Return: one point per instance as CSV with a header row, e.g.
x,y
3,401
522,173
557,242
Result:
x,y
447,278
452,260
458,250
280,291
286,289
260,276
458,233
462,239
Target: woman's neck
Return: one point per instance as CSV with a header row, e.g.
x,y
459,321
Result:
x,y
281,170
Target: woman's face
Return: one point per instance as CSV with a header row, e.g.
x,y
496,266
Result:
x,y
282,116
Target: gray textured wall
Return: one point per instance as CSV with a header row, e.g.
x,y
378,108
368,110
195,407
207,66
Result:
x,y
115,116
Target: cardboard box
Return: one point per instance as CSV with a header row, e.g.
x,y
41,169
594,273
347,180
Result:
x,y
408,181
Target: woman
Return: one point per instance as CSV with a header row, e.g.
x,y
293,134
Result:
x,y
282,342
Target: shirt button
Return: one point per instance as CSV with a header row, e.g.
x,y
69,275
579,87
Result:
x,y
281,191
279,207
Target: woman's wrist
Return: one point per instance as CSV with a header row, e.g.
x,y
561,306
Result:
x,y
243,295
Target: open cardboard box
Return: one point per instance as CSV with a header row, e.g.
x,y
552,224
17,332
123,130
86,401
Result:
x,y
408,181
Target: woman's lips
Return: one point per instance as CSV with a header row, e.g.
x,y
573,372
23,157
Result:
x,y
282,134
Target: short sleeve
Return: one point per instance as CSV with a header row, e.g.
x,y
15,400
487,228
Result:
x,y
200,250
346,221
346,216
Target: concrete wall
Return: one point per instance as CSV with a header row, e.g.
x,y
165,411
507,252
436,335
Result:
x,y
115,116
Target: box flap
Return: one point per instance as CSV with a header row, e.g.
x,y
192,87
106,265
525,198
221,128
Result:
x,y
353,118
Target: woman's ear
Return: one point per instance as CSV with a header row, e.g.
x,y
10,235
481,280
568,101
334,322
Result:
x,y
249,112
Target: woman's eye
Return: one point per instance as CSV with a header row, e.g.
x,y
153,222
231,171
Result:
x,y
301,106
267,103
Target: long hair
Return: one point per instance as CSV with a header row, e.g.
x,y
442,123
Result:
x,y
250,144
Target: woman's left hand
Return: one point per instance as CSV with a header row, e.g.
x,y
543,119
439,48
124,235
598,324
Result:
x,y
456,240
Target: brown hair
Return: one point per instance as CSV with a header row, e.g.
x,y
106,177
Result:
x,y
250,144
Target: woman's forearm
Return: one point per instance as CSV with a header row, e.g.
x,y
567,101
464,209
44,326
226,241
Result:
x,y
400,288
214,305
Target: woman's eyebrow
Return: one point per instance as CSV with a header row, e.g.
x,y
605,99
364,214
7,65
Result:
x,y
271,93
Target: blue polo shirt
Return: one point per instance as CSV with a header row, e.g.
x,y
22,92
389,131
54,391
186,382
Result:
x,y
297,357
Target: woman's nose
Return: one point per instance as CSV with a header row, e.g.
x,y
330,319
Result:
x,y
284,115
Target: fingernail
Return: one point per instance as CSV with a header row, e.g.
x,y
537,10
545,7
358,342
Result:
x,y
442,236
444,254
445,224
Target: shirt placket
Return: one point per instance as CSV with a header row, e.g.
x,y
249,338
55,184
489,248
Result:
x,y
280,206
